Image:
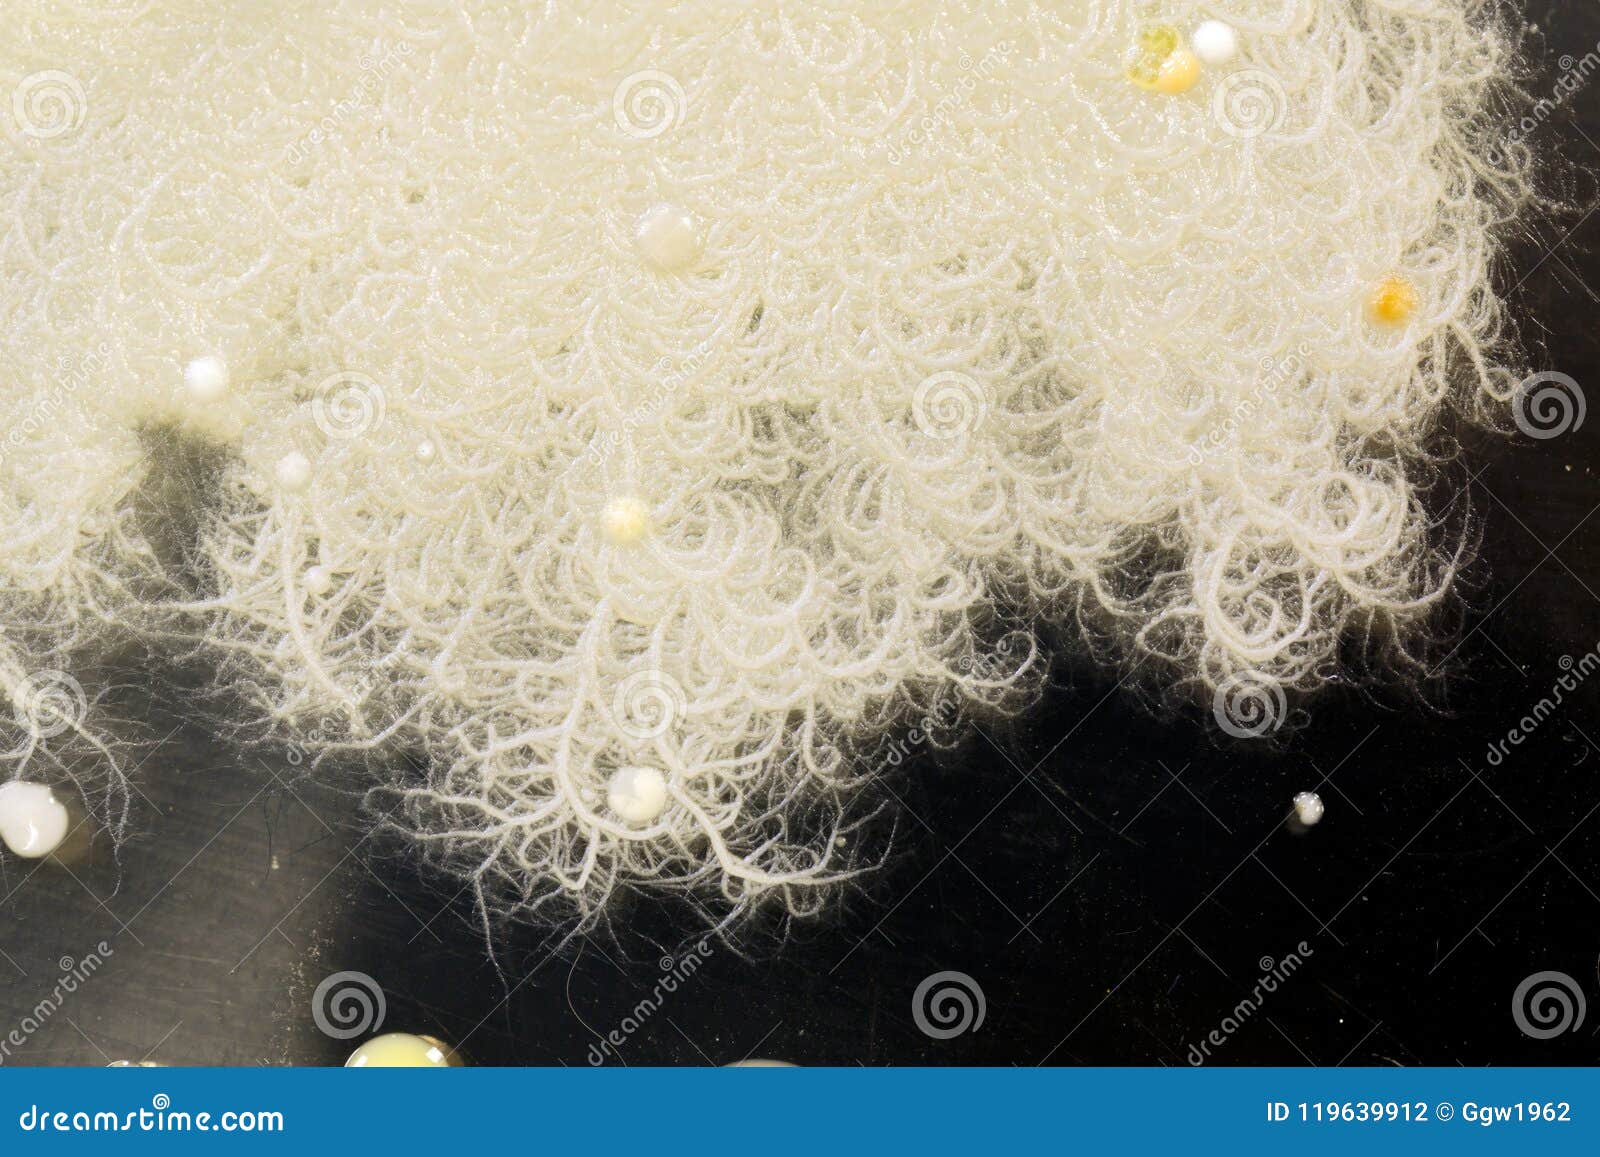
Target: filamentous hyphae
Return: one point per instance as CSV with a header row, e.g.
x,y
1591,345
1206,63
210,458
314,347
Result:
x,y
624,409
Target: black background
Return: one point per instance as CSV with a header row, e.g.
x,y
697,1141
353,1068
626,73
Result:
x,y
1110,878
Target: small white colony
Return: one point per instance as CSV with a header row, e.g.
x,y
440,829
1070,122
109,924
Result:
x,y
1308,807
33,822
1215,43
318,580
668,238
637,794
625,520
293,472
206,378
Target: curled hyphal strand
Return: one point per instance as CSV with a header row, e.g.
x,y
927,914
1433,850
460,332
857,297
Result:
x,y
624,414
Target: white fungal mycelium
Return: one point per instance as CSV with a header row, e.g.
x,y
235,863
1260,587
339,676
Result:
x,y
694,390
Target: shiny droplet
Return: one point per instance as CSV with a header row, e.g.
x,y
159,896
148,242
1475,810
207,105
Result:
x,y
668,238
